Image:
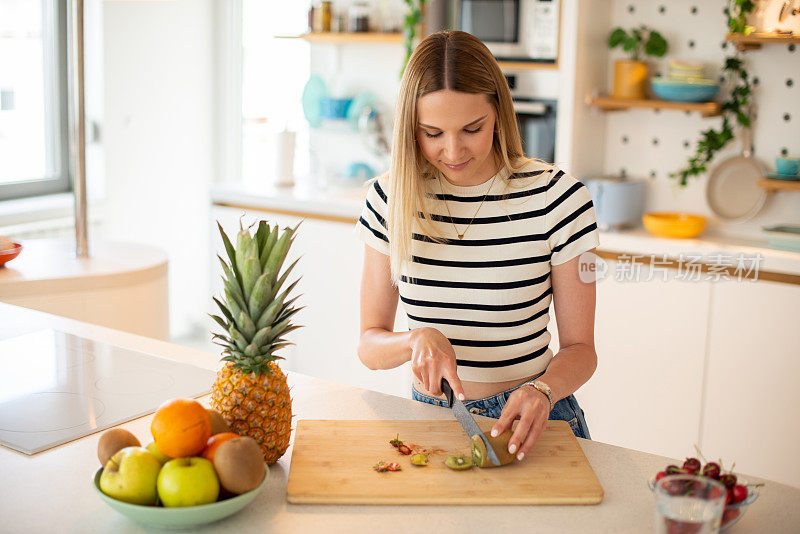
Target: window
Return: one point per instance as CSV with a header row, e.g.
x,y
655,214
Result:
x,y
274,72
33,98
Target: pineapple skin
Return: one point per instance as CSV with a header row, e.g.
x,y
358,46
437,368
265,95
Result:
x,y
256,405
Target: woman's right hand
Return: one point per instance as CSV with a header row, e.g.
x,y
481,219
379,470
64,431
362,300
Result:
x,y
433,358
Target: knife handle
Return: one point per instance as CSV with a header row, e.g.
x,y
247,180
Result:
x,y
448,391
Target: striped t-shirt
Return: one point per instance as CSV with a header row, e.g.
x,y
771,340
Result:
x,y
489,293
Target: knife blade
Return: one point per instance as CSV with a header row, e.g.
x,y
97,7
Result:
x,y
467,422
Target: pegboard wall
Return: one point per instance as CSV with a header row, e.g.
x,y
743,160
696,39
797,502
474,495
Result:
x,y
650,144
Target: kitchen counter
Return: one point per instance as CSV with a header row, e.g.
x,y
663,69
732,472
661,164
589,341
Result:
x,y
54,487
345,204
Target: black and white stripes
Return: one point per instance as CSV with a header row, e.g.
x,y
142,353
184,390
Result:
x,y
489,293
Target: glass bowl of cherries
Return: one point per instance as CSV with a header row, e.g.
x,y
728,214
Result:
x,y
740,493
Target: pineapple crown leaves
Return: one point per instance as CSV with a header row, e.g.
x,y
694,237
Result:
x,y
255,312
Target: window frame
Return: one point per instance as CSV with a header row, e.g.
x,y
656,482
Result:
x,y
54,45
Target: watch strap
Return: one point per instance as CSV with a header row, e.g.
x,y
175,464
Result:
x,y
543,388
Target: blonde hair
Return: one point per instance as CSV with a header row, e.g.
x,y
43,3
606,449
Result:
x,y
456,61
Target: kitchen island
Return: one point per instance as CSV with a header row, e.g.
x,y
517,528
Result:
x,y
52,492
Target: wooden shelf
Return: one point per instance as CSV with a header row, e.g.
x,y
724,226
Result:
x,y
526,65
346,37
609,103
755,40
779,185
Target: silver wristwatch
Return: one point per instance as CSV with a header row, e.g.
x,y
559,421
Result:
x,y
544,388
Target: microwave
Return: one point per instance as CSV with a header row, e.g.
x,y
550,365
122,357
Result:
x,y
513,30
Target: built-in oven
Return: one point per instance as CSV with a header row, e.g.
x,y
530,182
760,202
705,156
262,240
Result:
x,y
536,118
513,30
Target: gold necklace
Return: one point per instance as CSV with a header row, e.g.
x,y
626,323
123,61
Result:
x,y
461,235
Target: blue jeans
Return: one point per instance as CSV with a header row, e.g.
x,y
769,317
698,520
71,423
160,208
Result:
x,y
566,409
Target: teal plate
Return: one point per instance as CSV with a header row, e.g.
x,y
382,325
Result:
x,y
313,93
187,517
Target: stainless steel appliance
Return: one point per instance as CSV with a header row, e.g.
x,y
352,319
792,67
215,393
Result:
x,y
536,118
513,30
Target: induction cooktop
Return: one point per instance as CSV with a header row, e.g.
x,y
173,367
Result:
x,y
56,387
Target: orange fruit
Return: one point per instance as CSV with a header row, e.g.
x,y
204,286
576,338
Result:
x,y
181,427
215,441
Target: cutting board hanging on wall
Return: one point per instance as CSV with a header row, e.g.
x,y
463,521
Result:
x,y
332,464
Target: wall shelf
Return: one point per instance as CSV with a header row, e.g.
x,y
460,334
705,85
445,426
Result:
x,y
526,65
779,185
347,37
609,103
755,40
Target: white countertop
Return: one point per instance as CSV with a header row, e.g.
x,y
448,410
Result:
x,y
346,204
52,491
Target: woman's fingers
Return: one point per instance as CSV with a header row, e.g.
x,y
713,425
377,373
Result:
x,y
507,416
521,432
455,384
533,434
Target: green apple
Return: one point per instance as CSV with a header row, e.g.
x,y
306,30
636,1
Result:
x,y
187,482
131,476
163,458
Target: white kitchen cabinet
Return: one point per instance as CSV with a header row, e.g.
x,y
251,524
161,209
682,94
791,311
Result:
x,y
330,265
650,342
752,399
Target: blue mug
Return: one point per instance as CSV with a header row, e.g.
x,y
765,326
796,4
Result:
x,y
788,165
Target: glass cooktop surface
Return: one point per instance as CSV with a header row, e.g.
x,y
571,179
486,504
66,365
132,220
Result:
x,y
57,387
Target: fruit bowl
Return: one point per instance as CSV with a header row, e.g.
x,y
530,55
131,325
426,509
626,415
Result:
x,y
733,512
9,254
184,517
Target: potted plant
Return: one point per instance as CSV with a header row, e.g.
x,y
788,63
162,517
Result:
x,y
630,75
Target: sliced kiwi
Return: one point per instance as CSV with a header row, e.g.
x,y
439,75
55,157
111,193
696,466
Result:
x,y
112,441
498,443
419,459
458,462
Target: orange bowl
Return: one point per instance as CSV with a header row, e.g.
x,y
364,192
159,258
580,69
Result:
x,y
10,254
674,224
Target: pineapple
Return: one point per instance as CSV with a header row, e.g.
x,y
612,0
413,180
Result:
x,y
250,390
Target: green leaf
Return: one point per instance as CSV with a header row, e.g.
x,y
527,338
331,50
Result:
x,y
616,37
219,321
228,247
224,310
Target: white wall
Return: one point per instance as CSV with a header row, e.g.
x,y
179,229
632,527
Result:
x,y
158,138
773,65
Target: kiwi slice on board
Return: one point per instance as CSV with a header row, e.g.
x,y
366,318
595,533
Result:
x,y
458,462
500,446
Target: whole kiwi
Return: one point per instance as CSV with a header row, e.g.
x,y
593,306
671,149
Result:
x,y
498,443
112,441
240,465
218,423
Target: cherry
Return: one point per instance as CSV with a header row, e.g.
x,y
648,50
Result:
x,y
660,475
729,515
692,464
728,497
728,479
712,470
739,493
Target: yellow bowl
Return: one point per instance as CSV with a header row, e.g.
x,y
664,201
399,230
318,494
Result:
x,y
674,224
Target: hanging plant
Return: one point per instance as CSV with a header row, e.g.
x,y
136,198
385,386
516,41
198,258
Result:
x,y
735,108
411,22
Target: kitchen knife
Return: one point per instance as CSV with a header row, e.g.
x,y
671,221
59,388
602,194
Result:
x,y
467,422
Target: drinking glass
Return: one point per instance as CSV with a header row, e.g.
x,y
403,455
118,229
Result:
x,y
688,504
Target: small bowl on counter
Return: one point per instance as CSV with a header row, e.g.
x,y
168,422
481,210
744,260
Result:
x,y
677,224
684,90
9,254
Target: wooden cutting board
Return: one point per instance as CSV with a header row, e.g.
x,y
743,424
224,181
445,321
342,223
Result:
x,y
332,464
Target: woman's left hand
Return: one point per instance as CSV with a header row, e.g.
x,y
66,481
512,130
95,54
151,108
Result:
x,y
532,408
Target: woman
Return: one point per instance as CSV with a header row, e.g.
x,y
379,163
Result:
x,y
476,240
